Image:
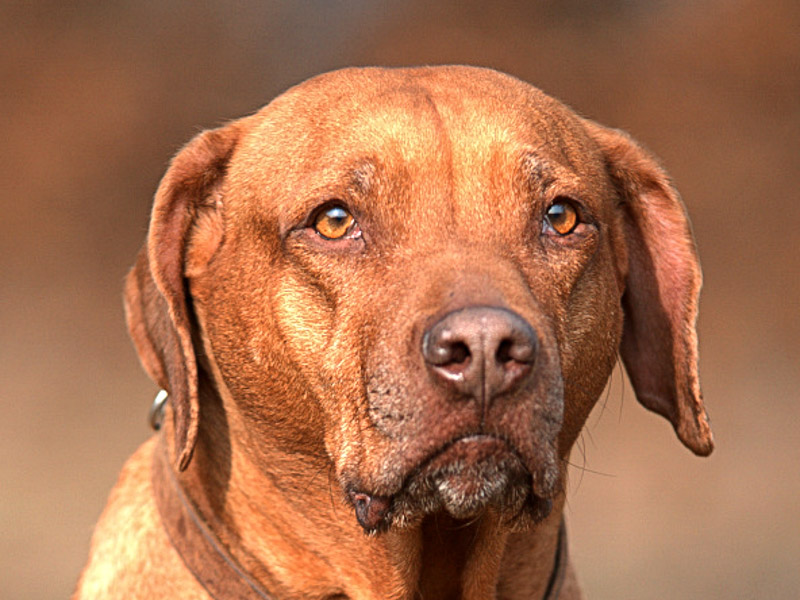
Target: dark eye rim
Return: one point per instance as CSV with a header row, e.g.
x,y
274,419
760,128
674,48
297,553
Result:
x,y
574,205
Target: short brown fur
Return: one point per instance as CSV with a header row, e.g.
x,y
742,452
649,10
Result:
x,y
294,363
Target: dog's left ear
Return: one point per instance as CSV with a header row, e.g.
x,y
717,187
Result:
x,y
156,298
662,288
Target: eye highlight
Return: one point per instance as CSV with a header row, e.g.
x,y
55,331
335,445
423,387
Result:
x,y
562,217
335,223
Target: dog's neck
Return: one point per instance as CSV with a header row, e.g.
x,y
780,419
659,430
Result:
x,y
294,504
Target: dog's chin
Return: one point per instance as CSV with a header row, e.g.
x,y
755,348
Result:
x,y
465,479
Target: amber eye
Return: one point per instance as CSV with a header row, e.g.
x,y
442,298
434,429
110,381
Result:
x,y
562,217
334,223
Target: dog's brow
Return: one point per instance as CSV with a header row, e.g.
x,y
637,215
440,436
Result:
x,y
362,176
537,172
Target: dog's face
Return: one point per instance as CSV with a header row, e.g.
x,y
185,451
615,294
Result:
x,y
425,275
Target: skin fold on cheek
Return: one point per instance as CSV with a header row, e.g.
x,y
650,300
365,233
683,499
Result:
x,y
592,327
305,318
312,331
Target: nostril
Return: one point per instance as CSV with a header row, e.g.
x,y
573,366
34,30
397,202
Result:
x,y
521,350
504,352
450,359
447,353
443,349
459,353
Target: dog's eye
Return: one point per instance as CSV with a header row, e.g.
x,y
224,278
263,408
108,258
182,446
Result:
x,y
562,217
334,223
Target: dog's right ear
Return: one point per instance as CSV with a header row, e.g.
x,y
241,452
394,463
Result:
x,y
156,303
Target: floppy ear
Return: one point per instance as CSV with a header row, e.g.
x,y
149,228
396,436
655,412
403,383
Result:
x,y
660,302
156,304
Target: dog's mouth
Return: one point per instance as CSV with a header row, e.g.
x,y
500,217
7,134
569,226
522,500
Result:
x,y
463,477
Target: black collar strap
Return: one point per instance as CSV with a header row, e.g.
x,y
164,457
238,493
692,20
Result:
x,y
556,580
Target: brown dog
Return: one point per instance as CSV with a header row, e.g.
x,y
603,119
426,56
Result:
x,y
386,303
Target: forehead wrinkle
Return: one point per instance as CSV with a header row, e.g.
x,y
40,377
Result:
x,y
445,143
424,116
416,151
484,142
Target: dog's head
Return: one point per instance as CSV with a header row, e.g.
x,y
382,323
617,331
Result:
x,y
425,275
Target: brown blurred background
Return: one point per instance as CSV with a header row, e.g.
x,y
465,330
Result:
x,y
96,96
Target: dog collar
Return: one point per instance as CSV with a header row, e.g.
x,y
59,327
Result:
x,y
212,565
553,590
200,549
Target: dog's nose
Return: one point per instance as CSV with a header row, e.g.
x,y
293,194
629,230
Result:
x,y
480,351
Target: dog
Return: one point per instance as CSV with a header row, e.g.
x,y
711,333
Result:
x,y
383,308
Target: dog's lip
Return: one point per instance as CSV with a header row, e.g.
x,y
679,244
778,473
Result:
x,y
473,447
376,508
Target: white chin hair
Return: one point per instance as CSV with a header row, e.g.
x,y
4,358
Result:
x,y
466,494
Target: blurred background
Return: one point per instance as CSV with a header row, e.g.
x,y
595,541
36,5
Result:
x,y
96,96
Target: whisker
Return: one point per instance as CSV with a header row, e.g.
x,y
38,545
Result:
x,y
585,469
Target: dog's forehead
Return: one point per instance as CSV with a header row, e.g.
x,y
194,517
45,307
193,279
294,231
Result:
x,y
464,126
473,107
